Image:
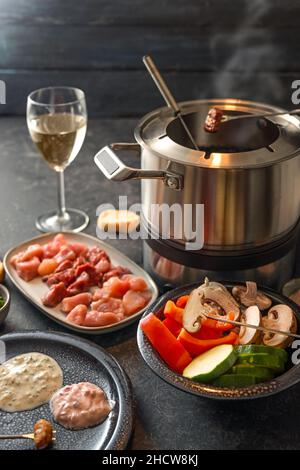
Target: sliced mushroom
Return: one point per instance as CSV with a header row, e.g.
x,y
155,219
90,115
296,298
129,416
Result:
x,y
249,295
251,316
217,309
216,293
210,297
280,317
212,284
193,312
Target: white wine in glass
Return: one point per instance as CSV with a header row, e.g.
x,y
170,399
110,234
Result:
x,y
57,122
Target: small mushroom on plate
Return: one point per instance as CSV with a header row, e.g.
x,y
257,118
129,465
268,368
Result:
x,y
280,317
209,298
249,295
251,316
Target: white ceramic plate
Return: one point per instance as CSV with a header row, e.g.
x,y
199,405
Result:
x,y
35,289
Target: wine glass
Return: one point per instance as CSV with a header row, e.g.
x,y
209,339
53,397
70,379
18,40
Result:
x,y
57,122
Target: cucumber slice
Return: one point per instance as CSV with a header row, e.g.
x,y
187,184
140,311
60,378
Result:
x,y
271,361
209,365
260,349
258,372
235,380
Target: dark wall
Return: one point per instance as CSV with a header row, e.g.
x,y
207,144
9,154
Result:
x,y
205,48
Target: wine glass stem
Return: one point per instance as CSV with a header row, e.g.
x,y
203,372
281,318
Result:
x,y
61,194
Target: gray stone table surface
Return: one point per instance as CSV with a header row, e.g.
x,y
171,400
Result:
x,y
166,418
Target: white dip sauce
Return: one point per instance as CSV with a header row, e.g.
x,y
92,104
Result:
x,y
28,381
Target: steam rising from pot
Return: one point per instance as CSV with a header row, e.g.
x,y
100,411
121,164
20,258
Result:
x,y
250,70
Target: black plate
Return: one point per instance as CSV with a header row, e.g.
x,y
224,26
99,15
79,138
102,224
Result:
x,y
150,356
80,361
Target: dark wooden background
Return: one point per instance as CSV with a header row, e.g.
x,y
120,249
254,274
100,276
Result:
x,y
205,48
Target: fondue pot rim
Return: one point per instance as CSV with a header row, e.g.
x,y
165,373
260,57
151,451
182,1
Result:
x,y
150,134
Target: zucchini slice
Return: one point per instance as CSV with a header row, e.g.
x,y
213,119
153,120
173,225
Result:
x,y
258,372
235,380
259,348
271,361
211,364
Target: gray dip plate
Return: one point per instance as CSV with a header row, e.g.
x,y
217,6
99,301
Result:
x,y
80,361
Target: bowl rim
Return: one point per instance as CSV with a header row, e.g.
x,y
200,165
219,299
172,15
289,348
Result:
x,y
4,292
157,365
288,284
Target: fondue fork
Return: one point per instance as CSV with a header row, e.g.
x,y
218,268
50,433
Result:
x,y
259,116
21,436
167,95
249,325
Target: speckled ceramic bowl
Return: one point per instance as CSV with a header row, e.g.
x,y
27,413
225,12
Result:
x,y
291,287
284,381
4,292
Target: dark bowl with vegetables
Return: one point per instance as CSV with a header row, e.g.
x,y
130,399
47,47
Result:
x,y
4,302
216,364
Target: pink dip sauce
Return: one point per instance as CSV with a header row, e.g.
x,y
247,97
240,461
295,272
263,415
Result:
x,y
79,406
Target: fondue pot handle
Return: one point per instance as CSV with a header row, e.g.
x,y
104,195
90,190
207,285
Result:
x,y
114,169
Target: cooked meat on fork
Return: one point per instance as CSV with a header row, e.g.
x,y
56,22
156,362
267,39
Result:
x,y
213,120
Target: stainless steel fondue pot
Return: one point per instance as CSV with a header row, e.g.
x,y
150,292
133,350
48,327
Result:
x,y
247,175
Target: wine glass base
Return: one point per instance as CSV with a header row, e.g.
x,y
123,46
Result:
x,y
74,220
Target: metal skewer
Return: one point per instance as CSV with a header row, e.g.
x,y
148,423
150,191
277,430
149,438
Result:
x,y
17,436
248,325
259,116
167,95
21,436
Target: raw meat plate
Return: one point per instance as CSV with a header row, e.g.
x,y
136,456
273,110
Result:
x,y
35,289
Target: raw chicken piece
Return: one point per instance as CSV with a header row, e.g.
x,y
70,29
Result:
x,y
136,283
31,252
67,277
65,253
95,318
108,305
77,315
47,266
147,294
28,270
81,284
103,266
116,287
52,248
55,295
16,258
100,294
134,301
59,239
118,271
69,303
79,248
